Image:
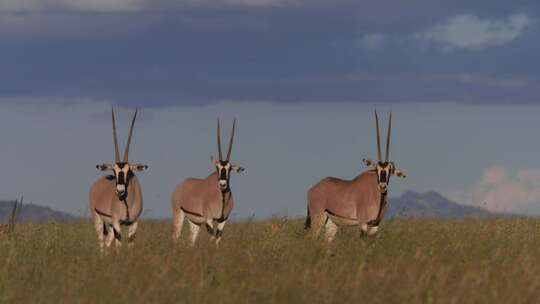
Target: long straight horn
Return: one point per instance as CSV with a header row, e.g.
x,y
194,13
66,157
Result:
x,y
126,152
231,141
20,206
219,141
387,155
12,219
378,136
115,138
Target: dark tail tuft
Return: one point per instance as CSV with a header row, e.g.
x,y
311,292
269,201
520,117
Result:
x,y
307,224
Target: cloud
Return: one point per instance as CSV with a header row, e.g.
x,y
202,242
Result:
x,y
483,80
502,190
28,6
48,27
470,32
104,5
257,2
372,41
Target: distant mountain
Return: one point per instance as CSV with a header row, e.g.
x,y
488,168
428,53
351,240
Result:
x,y
33,213
431,204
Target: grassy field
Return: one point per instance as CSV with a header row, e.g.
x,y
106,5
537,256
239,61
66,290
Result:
x,y
275,261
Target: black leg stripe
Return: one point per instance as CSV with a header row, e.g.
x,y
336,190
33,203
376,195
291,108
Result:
x,y
117,235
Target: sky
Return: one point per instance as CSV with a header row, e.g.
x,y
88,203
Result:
x,y
302,78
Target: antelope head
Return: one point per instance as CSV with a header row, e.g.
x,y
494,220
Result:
x,y
384,168
224,166
122,170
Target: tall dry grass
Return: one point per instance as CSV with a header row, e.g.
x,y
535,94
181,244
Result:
x,y
274,261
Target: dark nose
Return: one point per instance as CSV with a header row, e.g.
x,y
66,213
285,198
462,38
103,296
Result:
x,y
222,184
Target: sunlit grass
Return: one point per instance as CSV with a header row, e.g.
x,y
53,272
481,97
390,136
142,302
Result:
x,y
275,261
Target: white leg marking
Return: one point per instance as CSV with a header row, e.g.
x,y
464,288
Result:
x,y
118,229
194,229
210,229
330,230
364,228
178,222
372,230
219,232
131,234
110,236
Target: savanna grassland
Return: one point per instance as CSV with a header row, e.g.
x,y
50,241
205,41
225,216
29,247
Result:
x,y
275,261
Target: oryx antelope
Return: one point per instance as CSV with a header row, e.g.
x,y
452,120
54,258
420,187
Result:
x,y
10,225
334,202
116,199
206,201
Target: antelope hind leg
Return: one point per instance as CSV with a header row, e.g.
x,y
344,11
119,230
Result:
x,y
194,232
100,230
178,222
330,230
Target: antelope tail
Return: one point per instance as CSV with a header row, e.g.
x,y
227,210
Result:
x,y
307,224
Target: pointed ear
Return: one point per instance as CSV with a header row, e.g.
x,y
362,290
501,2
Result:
x,y
397,172
237,168
368,162
138,167
104,167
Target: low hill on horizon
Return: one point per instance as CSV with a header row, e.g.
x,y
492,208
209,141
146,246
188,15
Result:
x,y
34,213
432,204
410,204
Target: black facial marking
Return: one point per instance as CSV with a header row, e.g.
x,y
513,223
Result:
x,y
121,178
223,174
383,176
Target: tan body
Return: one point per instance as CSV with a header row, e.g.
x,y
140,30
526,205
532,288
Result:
x,y
335,202
116,199
109,212
202,203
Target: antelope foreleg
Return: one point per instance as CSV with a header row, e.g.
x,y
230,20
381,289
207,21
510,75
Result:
x,y
132,231
117,234
219,231
210,228
109,235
